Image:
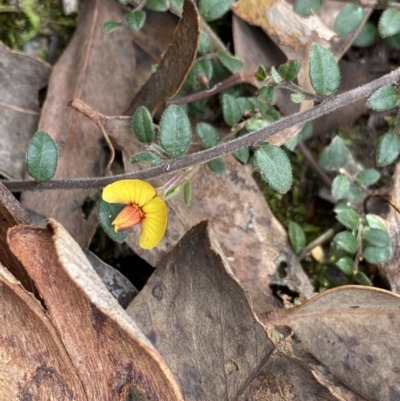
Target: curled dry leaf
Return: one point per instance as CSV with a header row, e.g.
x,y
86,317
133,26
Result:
x,y
22,77
353,332
97,68
113,358
174,67
199,318
34,364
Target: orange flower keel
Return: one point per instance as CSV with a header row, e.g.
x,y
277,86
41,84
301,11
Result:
x,y
127,218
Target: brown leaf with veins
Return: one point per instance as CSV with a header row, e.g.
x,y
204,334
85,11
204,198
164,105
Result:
x,y
98,68
198,317
113,358
353,332
22,77
34,364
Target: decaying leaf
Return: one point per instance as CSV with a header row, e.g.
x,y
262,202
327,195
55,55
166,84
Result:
x,y
199,318
353,332
175,64
97,68
113,358
34,364
22,77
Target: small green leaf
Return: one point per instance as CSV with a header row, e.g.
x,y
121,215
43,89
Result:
x,y
274,166
232,63
376,237
376,255
142,125
231,110
275,75
211,10
157,5
389,23
289,70
383,99
41,157
297,97
255,124
345,265
267,94
296,236
242,154
178,4
175,132
349,218
348,19
393,41
323,70
354,193
367,35
306,7
347,241
148,158
201,68
261,74
111,26
339,207
368,177
135,19
337,153
207,135
217,166
204,43
375,222
187,193
388,149
362,279
106,213
340,187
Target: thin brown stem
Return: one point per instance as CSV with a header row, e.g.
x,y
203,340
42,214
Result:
x,y
252,139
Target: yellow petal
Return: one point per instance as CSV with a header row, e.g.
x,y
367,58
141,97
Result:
x,y
154,223
129,192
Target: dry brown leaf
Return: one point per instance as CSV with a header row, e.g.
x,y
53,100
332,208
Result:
x,y
112,356
199,318
174,66
97,68
21,79
34,364
353,332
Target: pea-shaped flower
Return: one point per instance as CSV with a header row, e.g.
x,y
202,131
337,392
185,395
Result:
x,y
143,205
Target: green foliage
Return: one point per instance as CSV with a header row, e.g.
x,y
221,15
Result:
x,y
142,125
335,155
135,19
297,236
41,157
389,22
232,63
348,19
175,132
306,7
323,70
187,193
201,68
274,166
204,43
384,98
276,77
106,213
375,222
111,26
305,133
211,10
261,74
267,94
148,158
340,187
297,97
345,264
289,70
349,218
362,279
376,237
368,176
388,149
231,110
242,155
376,255
207,135
347,241
217,166
157,5
367,35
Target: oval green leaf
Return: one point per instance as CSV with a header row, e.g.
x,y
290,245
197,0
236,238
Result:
x,y
384,98
175,131
347,241
204,43
142,125
111,26
267,94
211,10
232,63
135,19
296,236
340,187
348,19
242,154
376,255
337,153
148,158
388,149
207,135
107,212
389,23
200,74
231,110
362,279
41,157
187,193
217,166
375,222
289,70
306,7
349,218
376,237
345,264
157,5
367,35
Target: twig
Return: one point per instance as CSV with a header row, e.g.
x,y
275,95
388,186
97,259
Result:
x,y
373,4
252,139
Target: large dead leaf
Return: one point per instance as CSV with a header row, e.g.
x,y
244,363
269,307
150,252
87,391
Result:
x,y
198,317
113,358
21,79
98,68
174,66
33,364
353,331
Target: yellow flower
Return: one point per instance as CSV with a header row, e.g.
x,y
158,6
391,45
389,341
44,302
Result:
x,y
143,205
